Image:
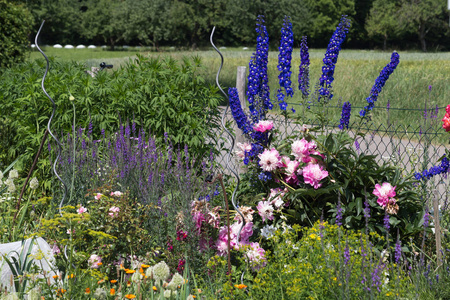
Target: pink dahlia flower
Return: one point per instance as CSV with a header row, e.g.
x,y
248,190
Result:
x,y
263,126
81,210
302,148
269,160
312,174
114,211
265,210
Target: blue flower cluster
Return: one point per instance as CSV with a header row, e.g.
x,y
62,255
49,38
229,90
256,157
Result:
x,y
265,176
331,57
303,71
258,92
436,170
380,82
238,114
253,154
284,63
345,116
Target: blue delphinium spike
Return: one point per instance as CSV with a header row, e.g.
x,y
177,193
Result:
x,y
238,114
331,57
380,82
345,116
284,63
258,92
303,72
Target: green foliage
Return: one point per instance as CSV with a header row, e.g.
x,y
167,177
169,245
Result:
x,y
161,95
15,26
384,20
309,263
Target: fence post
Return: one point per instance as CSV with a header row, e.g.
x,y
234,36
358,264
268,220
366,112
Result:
x,y
240,85
437,228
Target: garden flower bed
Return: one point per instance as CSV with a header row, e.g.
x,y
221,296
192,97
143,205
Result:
x,y
138,215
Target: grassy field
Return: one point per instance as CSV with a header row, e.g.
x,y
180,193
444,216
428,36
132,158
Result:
x,y
356,71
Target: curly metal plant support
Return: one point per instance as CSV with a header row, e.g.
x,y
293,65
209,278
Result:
x,y
50,120
230,140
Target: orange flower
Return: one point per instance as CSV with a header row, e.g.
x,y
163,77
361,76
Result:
x,y
130,296
240,286
55,276
113,281
99,263
61,291
141,270
112,292
145,266
42,298
154,288
70,276
87,291
128,283
130,271
100,281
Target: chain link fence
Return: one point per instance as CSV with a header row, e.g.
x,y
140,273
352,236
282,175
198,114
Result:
x,y
413,147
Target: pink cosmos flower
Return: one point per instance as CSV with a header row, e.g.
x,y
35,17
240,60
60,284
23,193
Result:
x,y
98,196
114,211
269,160
116,193
314,173
94,261
263,126
384,192
245,147
81,210
265,210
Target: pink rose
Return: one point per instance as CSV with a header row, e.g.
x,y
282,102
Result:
x,y
384,192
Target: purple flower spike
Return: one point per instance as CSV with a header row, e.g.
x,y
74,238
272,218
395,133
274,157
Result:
x,y
284,63
303,72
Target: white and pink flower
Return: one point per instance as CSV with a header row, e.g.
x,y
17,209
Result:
x,y
384,192
265,210
313,174
275,197
114,211
81,210
98,196
116,194
94,261
270,160
263,126
301,149
255,256
243,147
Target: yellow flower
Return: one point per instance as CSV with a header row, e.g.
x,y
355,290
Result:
x,y
154,288
313,236
240,286
130,296
334,278
70,276
145,266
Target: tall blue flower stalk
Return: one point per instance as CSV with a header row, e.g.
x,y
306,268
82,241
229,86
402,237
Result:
x,y
258,92
238,114
345,116
442,168
303,70
331,57
380,82
284,63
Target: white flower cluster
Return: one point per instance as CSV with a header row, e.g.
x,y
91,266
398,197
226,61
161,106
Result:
x,y
13,174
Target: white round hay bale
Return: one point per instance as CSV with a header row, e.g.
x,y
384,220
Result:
x,y
223,47
245,48
81,47
125,46
33,46
104,46
68,47
57,46
91,47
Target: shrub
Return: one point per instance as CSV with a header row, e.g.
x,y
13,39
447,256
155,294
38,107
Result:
x,y
15,26
160,95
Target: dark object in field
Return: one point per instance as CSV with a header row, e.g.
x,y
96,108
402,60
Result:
x,y
94,70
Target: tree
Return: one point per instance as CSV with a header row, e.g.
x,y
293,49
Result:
x,y
325,16
420,16
15,26
383,20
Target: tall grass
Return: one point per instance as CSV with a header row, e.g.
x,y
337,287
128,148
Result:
x,y
356,71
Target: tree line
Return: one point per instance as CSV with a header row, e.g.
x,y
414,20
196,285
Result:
x,y
399,24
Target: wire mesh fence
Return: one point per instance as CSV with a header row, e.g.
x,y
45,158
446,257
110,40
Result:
x,y
413,148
